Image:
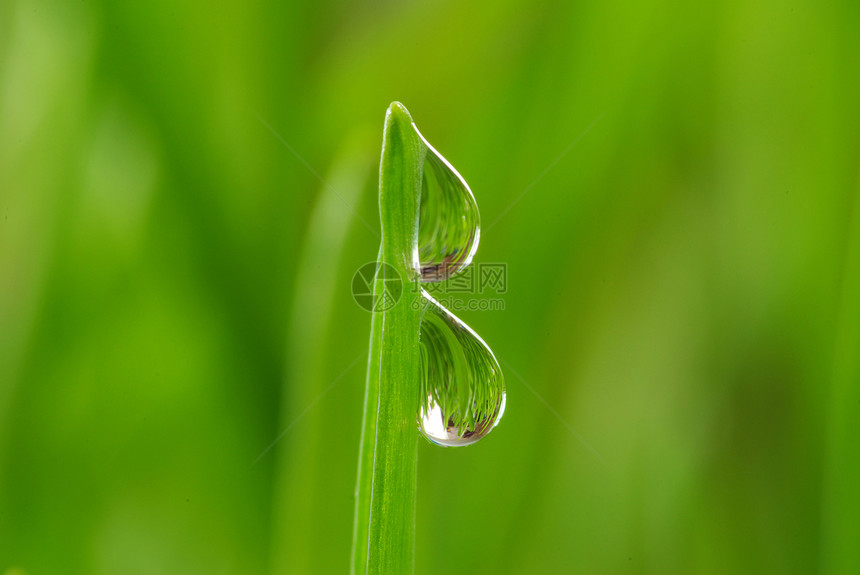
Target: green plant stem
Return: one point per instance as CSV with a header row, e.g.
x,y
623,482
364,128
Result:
x,y
384,538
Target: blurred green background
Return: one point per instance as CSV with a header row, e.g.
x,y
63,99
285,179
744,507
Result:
x,y
683,283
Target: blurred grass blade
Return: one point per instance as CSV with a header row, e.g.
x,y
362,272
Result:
x,y
842,498
298,475
384,536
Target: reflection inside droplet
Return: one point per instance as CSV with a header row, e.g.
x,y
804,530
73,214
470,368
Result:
x,y
461,383
446,432
449,226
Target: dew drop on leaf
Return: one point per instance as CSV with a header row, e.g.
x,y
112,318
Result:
x,y
461,384
449,226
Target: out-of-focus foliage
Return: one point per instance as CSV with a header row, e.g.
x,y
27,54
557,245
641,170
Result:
x,y
683,283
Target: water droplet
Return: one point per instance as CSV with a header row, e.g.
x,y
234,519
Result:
x,y
462,386
449,226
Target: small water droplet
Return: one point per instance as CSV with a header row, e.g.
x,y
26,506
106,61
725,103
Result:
x,y
461,383
449,225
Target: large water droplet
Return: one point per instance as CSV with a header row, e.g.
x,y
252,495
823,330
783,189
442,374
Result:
x,y
462,386
449,226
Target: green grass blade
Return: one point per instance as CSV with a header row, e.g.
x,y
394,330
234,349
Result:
x,y
364,483
385,508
